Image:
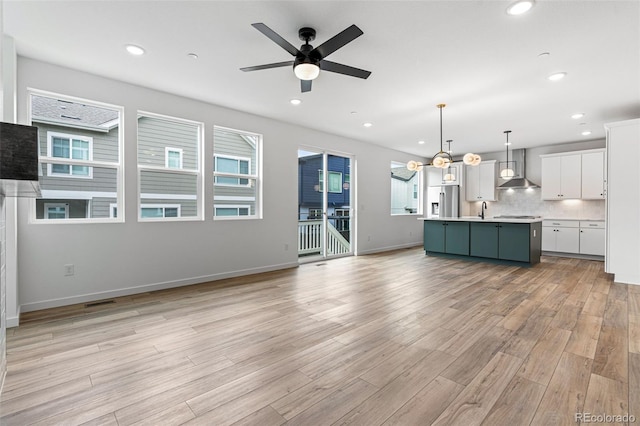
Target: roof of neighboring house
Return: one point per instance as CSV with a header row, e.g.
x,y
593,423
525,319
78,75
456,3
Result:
x,y
402,173
73,114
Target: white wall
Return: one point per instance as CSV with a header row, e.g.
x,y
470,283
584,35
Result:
x,y
124,258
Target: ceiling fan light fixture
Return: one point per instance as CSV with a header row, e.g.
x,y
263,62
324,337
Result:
x,y
306,71
520,7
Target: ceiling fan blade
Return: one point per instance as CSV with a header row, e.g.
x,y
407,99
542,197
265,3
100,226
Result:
x,y
305,85
336,42
344,69
276,38
267,66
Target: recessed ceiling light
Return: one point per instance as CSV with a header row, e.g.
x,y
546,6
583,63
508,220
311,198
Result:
x,y
544,55
354,112
577,115
367,124
295,101
520,7
421,142
135,50
586,133
557,76
192,55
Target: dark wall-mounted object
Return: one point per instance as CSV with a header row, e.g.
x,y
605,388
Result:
x,y
18,152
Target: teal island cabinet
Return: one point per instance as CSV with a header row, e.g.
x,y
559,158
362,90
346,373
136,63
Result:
x,y
512,241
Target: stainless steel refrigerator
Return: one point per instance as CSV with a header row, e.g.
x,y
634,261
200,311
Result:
x,y
449,201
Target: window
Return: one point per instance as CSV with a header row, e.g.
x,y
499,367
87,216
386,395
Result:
x,y
231,165
159,211
169,168
80,155
56,211
334,181
173,158
231,210
236,174
73,147
405,190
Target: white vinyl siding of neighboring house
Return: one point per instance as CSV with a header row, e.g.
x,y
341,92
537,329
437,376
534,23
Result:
x,y
169,166
405,190
237,159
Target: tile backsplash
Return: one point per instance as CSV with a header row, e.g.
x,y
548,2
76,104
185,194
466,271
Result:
x,y
528,202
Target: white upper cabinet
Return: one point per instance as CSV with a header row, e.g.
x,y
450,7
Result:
x,y
561,177
481,182
593,176
574,175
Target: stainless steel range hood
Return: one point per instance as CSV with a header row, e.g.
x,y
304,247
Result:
x,y
519,181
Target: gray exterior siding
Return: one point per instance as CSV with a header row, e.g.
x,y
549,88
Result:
x,y
155,134
235,145
158,182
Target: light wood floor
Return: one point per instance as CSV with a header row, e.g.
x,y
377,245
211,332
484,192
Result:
x,y
394,338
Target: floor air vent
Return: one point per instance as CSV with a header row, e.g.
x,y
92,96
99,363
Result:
x,y
98,303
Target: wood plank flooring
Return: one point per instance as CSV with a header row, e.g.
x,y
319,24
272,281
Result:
x,y
395,338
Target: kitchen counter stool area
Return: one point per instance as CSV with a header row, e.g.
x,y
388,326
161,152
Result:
x,y
502,240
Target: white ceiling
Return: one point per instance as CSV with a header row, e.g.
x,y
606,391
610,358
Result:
x,y
471,55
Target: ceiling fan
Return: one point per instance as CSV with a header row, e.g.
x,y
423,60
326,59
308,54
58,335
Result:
x,y
309,60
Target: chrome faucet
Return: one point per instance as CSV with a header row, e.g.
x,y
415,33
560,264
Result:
x,y
484,207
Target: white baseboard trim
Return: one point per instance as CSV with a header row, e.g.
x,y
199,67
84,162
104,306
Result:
x,y
14,321
389,248
64,301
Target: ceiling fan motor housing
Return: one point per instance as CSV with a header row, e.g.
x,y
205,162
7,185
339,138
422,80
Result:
x,y
307,34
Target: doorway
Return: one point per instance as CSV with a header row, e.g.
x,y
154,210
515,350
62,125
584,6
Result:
x,y
325,214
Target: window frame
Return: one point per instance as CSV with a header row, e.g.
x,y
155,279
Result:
x,y
232,206
167,151
118,166
238,175
68,161
162,206
197,172
49,205
255,180
420,191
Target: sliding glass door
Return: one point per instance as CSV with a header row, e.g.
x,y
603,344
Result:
x,y
325,219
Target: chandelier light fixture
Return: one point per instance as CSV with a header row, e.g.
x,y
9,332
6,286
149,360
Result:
x,y
507,173
442,159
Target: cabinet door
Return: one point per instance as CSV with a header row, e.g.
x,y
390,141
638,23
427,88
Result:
x,y
514,242
593,176
571,176
548,238
472,187
550,180
568,240
483,239
592,241
487,183
434,236
457,238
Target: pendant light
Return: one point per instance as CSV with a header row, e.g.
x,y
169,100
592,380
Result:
x,y
450,175
443,160
507,173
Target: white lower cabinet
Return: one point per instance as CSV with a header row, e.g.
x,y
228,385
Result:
x,y
574,236
561,235
592,238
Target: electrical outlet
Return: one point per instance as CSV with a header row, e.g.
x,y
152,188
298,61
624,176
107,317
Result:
x,y
69,269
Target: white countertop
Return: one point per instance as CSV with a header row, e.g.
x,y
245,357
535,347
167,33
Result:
x,y
486,219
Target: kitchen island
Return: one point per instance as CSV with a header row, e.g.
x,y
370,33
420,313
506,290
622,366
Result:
x,y
508,240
